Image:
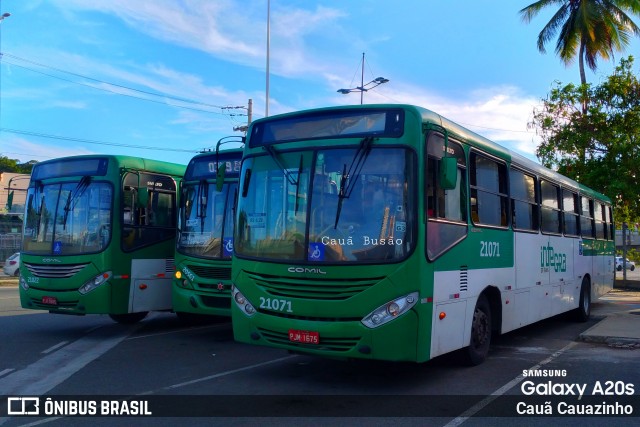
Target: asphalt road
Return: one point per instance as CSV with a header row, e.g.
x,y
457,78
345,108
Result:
x,y
161,358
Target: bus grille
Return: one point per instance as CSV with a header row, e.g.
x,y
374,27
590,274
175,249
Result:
x,y
221,273
54,271
326,343
216,302
312,289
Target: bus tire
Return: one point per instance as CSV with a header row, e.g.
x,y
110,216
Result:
x,y
478,348
129,318
583,311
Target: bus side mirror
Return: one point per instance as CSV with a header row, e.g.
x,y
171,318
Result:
x,y
143,197
220,176
448,173
9,201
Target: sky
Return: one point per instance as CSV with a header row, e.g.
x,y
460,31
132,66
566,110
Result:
x,y
165,79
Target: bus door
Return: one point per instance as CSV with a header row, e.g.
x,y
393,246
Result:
x,y
150,285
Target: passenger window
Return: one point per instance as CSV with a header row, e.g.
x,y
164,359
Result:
x,y
524,206
488,183
570,213
586,217
550,207
446,209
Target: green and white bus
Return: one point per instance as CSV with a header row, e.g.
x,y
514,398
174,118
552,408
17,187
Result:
x,y
389,232
99,236
202,284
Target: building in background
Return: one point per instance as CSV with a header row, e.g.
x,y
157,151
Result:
x,y
17,184
13,186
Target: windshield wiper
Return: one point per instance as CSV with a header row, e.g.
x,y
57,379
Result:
x,y
298,184
73,197
274,155
349,177
201,206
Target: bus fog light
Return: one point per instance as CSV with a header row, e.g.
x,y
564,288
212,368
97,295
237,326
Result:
x,y
245,306
389,311
97,281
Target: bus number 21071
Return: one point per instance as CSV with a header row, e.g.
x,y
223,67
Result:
x,y
489,249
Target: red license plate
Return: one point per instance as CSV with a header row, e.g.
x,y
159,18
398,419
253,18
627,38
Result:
x,y
306,337
50,300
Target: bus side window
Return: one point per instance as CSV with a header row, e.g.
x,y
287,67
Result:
x,y
446,210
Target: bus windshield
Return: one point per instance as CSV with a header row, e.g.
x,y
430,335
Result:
x,y
68,218
355,205
205,227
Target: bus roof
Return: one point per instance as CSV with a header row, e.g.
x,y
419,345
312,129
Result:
x,y
129,162
473,139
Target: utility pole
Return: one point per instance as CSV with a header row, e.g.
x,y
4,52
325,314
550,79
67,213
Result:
x,y
245,128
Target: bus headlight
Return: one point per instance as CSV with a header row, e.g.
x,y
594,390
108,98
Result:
x,y
389,311
242,303
100,279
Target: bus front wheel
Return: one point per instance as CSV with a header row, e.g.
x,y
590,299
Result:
x,y
129,318
478,348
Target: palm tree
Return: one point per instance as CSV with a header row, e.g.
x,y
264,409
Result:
x,y
588,28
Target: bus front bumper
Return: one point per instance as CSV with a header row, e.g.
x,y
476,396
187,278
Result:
x,y
394,341
97,301
215,303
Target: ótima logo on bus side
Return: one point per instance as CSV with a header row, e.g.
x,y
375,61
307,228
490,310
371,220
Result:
x,y
550,259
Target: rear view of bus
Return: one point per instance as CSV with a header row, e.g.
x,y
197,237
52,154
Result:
x,y
99,235
202,283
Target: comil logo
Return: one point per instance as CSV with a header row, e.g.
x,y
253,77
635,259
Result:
x,y
23,406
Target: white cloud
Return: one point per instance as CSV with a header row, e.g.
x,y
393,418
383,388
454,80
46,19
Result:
x,y
230,30
500,113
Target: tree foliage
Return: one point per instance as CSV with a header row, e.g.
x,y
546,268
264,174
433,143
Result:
x,y
599,147
587,29
13,165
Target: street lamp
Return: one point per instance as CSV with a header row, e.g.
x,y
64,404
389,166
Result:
x,y
364,87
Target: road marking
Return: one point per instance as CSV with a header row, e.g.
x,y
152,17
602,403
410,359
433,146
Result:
x,y
51,370
224,374
5,372
55,347
502,390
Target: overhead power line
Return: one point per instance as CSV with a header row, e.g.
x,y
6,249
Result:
x,y
156,94
89,141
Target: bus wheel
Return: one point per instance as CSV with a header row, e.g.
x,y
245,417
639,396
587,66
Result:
x,y
129,318
583,311
478,348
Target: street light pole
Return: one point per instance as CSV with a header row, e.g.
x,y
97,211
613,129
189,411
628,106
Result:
x,y
266,108
362,82
364,87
